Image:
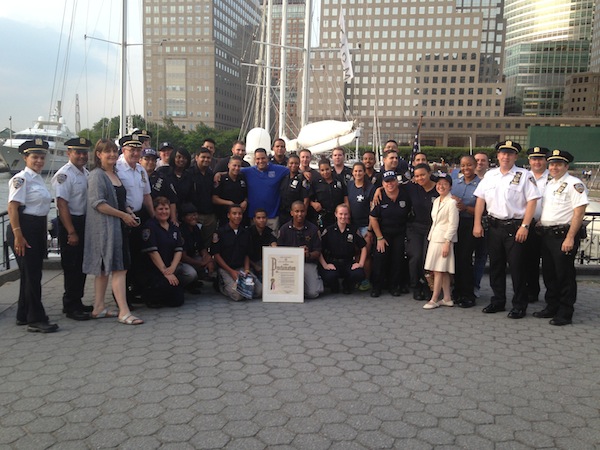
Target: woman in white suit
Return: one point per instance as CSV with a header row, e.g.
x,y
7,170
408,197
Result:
x,y
442,235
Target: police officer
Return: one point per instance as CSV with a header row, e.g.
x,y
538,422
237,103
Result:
x,y
232,189
510,195
326,193
278,156
388,221
563,208
294,187
70,187
340,243
28,207
533,245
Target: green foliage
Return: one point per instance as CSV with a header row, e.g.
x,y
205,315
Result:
x,y
435,154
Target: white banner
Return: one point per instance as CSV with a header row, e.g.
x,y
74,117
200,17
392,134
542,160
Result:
x,y
345,50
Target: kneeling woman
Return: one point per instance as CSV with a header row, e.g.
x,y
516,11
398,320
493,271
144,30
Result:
x,y
162,242
340,243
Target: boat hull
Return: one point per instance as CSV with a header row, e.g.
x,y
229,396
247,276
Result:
x,y
15,162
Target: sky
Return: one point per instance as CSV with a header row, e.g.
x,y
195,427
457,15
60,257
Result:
x,y
34,52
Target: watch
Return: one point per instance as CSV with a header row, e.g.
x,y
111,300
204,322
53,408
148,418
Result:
x,y
525,226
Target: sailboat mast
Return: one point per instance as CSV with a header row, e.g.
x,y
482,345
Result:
x,y
282,70
268,67
123,118
306,70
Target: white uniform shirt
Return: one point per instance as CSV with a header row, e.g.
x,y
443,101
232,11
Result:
x,y
541,184
70,184
28,188
136,183
561,197
506,196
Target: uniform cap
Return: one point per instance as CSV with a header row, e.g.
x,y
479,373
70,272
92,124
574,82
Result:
x,y
149,152
508,146
560,155
165,145
188,208
389,175
143,134
537,152
131,140
441,176
80,143
37,145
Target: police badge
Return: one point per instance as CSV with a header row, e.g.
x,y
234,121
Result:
x,y
579,187
145,234
18,182
517,178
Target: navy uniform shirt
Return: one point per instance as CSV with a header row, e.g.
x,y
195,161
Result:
x,y
259,241
307,236
292,189
192,240
422,202
329,195
70,184
181,186
393,215
222,165
360,200
232,245
284,162
161,186
230,189
337,244
202,190
344,176
157,239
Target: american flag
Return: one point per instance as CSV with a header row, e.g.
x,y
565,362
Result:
x,y
416,148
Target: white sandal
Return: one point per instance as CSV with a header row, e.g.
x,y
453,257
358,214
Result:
x,y
130,319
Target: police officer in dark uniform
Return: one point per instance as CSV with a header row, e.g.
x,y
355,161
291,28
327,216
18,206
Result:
x,y
278,157
326,193
388,222
70,186
563,208
28,207
340,243
232,189
293,188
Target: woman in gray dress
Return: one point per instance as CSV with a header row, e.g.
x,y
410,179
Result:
x,y
106,250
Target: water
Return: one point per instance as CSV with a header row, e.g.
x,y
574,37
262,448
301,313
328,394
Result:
x,y
5,178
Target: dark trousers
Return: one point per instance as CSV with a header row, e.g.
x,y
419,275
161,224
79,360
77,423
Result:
x,y
533,254
71,260
503,249
558,270
463,255
343,270
416,249
135,274
390,264
34,229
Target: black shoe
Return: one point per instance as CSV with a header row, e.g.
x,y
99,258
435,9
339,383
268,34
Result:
x,y
543,314
42,327
418,295
559,321
20,323
492,308
375,292
465,303
396,292
516,313
404,290
194,290
78,315
87,309
347,290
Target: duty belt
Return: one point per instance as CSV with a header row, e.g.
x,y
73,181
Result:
x,y
503,223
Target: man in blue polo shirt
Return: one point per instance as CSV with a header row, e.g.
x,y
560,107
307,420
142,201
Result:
x,y
263,187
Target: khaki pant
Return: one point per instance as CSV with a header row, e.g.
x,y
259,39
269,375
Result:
x,y
227,286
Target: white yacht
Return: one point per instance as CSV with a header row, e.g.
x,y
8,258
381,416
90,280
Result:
x,y
52,130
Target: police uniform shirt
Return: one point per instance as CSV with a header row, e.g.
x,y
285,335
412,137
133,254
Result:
x,y
232,245
373,179
161,187
157,239
392,215
259,241
307,236
359,199
192,240
293,189
422,202
202,189
339,244
136,183
541,184
329,195
230,189
222,165
464,191
561,197
344,176
282,163
28,188
180,186
506,196
70,184
400,175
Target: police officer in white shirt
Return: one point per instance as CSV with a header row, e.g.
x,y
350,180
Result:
x,y
136,182
563,207
70,188
533,246
510,195
28,207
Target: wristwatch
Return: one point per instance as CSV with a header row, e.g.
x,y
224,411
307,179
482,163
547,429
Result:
x,y
525,226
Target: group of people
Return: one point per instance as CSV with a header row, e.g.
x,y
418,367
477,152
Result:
x,y
160,222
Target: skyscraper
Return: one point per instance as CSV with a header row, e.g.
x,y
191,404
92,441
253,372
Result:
x,y
546,41
192,60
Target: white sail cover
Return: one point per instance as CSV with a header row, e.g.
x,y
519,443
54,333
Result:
x,y
332,143
257,138
323,131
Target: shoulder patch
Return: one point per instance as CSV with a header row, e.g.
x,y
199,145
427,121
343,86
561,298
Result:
x,y
145,234
18,182
215,238
532,179
324,232
579,187
61,178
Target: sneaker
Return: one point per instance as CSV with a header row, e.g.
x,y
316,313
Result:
x,y
364,285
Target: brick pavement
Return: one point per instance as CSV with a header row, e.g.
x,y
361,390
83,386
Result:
x,y
338,372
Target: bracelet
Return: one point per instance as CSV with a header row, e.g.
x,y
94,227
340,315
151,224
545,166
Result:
x,y
380,238
15,229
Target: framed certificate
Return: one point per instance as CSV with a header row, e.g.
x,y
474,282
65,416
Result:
x,y
283,274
